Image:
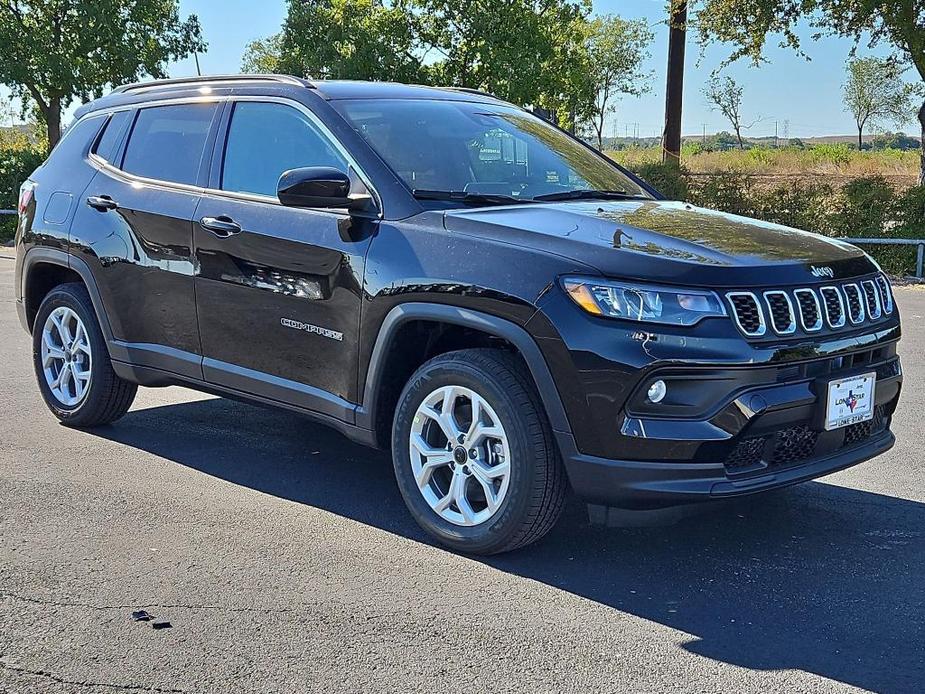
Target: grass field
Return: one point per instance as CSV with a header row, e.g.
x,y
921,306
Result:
x,y
826,160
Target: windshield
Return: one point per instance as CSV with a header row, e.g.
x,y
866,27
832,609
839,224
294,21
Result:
x,y
480,149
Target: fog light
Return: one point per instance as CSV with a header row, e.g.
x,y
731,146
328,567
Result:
x,y
657,391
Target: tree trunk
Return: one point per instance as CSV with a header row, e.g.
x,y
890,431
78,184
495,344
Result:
x,y
53,121
860,139
922,147
739,138
677,37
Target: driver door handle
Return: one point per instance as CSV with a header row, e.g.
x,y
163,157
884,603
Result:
x,y
222,226
103,203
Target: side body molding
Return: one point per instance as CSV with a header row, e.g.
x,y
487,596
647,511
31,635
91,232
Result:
x,y
484,322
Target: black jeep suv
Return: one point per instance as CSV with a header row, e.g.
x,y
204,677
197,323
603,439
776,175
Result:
x,y
443,273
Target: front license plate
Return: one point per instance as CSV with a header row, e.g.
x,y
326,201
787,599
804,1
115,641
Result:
x,y
850,400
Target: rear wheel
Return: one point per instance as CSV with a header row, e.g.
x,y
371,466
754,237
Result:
x,y
474,456
72,363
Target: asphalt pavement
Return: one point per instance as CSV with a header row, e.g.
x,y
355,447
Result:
x,y
283,560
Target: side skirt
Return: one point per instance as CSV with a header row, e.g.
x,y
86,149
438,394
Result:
x,y
153,377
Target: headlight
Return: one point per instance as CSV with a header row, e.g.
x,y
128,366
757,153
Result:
x,y
642,302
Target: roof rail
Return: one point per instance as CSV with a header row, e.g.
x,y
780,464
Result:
x,y
469,90
176,81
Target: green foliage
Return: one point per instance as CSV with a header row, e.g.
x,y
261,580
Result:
x,y
346,39
668,179
729,192
262,56
894,141
617,48
52,52
837,153
875,91
16,163
561,60
909,213
866,206
725,96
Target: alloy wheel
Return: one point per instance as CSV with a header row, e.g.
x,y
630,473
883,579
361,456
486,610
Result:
x,y
460,455
66,356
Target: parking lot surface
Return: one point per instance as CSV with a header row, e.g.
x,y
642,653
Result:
x,y
284,561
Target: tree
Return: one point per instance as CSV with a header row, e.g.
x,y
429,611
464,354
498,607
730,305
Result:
x,y
874,91
547,65
617,48
55,51
747,24
346,39
463,43
262,56
725,96
674,85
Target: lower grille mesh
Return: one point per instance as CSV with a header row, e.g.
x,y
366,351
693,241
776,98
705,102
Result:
x,y
794,445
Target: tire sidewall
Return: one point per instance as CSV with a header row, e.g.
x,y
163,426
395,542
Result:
x,y
507,520
78,301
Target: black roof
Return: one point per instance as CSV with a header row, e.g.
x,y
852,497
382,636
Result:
x,y
327,89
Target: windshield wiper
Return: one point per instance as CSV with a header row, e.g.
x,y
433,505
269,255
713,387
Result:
x,y
466,197
583,194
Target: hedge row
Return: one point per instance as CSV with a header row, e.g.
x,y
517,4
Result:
x,y
868,207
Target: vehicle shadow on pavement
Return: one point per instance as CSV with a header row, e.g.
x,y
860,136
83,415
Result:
x,y
817,578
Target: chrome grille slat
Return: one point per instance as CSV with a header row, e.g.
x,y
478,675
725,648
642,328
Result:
x,y
780,311
855,302
807,310
810,310
747,312
834,306
872,298
886,294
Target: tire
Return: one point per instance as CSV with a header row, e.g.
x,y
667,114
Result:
x,y
87,401
504,507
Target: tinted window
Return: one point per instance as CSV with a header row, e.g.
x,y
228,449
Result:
x,y
107,145
167,142
480,148
265,140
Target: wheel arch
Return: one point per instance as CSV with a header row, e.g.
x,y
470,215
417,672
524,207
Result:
x,y
45,268
371,414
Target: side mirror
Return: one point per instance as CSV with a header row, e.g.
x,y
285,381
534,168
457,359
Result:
x,y
315,186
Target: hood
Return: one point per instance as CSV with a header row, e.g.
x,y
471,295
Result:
x,y
672,242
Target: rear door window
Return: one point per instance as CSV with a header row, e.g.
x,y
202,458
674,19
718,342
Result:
x,y
167,142
266,139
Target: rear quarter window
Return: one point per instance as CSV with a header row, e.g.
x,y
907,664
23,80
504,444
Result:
x,y
107,145
167,142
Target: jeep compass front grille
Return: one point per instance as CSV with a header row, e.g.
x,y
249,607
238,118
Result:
x,y
810,309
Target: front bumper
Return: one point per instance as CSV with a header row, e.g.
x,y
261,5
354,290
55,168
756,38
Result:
x,y
769,436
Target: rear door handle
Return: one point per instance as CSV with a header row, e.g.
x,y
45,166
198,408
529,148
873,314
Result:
x,y
222,226
102,203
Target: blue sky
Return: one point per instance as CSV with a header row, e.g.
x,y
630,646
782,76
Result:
x,y
807,94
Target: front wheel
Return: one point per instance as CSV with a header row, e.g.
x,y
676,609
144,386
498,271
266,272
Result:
x,y
72,363
474,455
